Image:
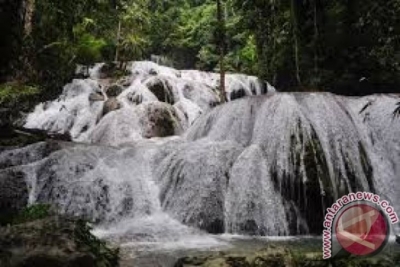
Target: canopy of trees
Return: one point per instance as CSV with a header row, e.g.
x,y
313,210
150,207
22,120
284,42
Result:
x,y
342,46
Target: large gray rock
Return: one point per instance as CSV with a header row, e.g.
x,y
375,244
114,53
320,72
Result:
x,y
159,120
161,88
93,97
53,242
111,104
114,90
14,187
14,192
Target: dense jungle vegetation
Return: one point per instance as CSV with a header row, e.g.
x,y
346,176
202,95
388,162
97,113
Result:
x,y
343,46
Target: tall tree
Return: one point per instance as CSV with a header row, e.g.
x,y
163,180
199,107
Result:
x,y
11,23
295,30
29,9
221,47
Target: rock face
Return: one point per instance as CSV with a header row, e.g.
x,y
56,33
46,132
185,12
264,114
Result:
x,y
14,186
53,241
14,192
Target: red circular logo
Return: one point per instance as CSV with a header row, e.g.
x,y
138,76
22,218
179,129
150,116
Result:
x,y
362,229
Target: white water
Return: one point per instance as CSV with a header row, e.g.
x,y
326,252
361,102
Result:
x,y
180,96
266,165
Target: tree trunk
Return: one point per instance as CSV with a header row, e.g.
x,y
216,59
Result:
x,y
264,70
11,24
117,42
28,16
221,47
296,40
316,78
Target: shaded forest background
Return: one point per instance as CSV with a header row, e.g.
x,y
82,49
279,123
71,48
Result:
x,y
343,46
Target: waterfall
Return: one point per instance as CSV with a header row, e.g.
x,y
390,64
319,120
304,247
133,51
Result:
x,y
158,159
153,101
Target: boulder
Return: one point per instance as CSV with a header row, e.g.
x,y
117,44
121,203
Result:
x,y
13,183
159,120
93,97
14,193
110,105
114,90
125,81
53,241
161,89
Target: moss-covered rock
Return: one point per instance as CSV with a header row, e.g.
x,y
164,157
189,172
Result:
x,y
53,241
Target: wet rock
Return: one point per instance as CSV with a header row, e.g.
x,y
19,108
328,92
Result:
x,y
161,89
110,105
108,70
14,193
5,118
28,154
281,257
125,81
53,241
159,120
204,168
114,90
237,94
136,98
271,256
93,97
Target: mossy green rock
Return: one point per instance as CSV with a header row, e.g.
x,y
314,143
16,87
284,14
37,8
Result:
x,y
53,241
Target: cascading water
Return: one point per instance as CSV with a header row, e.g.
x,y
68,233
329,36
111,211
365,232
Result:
x,y
153,101
262,165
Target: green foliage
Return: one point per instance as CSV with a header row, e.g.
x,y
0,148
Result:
x,y
132,25
105,256
191,36
11,94
330,45
87,47
32,213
